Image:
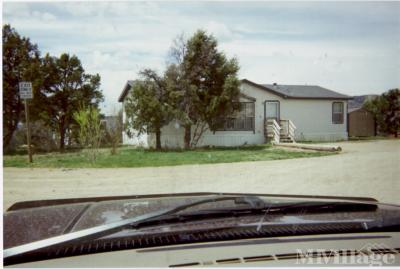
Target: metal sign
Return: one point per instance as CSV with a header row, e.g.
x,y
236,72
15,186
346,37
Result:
x,y
25,90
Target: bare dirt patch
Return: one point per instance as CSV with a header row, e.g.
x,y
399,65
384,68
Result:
x,y
369,168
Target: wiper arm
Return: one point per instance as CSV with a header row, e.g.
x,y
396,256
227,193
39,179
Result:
x,y
258,208
298,207
102,230
255,204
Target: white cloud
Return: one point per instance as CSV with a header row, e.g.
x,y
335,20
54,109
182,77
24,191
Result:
x,y
44,16
250,29
22,11
99,60
219,30
334,45
16,9
104,9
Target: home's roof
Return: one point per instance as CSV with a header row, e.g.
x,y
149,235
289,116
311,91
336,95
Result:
x,y
350,110
299,91
125,91
353,109
285,91
359,100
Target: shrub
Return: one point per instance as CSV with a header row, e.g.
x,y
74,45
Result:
x,y
88,119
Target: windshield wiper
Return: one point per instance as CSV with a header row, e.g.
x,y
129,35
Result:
x,y
253,204
259,208
106,229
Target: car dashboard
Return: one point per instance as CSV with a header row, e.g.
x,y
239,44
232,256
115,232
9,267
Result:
x,y
359,249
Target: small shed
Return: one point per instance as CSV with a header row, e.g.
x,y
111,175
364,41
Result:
x,y
361,123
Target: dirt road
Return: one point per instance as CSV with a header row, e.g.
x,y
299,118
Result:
x,y
370,168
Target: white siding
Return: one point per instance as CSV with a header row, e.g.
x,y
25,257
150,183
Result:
x,y
136,139
313,119
173,138
172,134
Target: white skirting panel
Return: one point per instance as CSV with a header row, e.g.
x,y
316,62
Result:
x,y
327,137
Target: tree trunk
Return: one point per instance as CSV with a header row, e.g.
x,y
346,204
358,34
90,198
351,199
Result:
x,y
62,135
7,136
187,136
158,139
198,133
11,124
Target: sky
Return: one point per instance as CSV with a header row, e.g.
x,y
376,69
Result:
x,y
349,47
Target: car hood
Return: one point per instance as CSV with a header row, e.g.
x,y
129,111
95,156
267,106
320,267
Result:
x,y
35,220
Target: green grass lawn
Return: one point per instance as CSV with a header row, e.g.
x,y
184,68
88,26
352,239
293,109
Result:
x,y
137,157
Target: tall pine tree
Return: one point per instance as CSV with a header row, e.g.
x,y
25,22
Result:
x,y
20,62
204,84
65,88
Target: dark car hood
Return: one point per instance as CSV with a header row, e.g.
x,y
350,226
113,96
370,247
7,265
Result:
x,y
35,220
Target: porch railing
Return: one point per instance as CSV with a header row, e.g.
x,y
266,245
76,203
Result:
x,y
273,130
288,129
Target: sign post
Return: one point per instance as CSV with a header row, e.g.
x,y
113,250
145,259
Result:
x,y
25,92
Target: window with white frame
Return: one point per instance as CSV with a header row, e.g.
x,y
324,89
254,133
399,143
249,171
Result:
x,y
337,112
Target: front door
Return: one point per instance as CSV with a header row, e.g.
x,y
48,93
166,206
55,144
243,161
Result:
x,y
272,110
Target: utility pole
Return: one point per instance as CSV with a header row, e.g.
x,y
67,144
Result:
x,y
28,130
25,92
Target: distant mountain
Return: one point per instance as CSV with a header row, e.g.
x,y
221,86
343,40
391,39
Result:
x,y
359,100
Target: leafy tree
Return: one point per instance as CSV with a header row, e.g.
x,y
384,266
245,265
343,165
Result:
x,y
203,84
90,131
147,106
66,87
20,62
386,110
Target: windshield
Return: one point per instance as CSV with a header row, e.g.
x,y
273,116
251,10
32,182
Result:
x,y
117,114
238,210
136,219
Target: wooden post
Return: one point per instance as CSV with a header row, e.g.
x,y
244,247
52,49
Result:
x,y
28,130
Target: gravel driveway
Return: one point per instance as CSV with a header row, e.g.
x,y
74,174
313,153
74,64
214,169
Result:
x,y
368,168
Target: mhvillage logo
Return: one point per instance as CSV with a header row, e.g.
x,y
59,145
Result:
x,y
369,254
